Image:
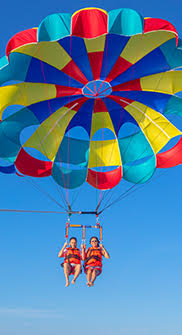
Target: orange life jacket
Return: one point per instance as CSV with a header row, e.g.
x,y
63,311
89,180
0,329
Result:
x,y
72,255
93,257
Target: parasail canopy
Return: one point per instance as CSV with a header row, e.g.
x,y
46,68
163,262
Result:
x,y
94,91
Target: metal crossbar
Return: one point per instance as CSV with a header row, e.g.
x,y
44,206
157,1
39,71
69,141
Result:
x,y
83,227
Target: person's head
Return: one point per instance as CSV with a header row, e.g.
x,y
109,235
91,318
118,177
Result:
x,y
73,242
94,241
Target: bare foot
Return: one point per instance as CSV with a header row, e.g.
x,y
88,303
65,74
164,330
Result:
x,y
88,283
91,283
73,281
67,283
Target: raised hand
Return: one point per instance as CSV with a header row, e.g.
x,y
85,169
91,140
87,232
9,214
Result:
x,y
83,246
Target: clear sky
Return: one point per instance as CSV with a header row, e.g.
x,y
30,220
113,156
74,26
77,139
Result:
x,y
139,292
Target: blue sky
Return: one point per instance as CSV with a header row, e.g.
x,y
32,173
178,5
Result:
x,y
139,292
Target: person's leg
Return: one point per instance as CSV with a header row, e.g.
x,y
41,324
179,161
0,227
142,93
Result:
x,y
93,277
89,273
77,272
67,270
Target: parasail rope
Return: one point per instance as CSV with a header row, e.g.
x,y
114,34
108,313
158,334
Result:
x,y
29,211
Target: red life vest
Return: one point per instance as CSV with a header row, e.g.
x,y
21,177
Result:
x,y
93,257
72,255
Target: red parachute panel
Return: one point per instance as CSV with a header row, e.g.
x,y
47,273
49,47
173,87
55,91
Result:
x,y
152,24
24,37
170,157
31,166
89,23
104,180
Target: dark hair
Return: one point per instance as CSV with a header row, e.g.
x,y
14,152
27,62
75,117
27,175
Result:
x,y
95,238
73,238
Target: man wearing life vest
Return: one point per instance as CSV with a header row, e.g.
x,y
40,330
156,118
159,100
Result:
x,y
93,260
72,260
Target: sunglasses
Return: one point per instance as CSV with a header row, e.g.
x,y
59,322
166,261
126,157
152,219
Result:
x,y
94,241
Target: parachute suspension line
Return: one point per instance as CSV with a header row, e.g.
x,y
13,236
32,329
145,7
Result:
x,y
101,192
130,79
66,186
106,194
121,196
60,191
98,205
134,188
157,83
99,197
53,126
141,154
30,181
107,197
75,197
56,212
68,146
110,193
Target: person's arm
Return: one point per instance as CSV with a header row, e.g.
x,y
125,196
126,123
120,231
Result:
x,y
83,247
104,252
61,253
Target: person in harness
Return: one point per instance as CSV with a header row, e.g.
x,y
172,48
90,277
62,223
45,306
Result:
x,y
72,260
93,260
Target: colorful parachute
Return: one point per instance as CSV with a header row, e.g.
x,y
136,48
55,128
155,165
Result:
x,y
113,76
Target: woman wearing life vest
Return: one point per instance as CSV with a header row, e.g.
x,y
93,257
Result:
x,y
93,260
72,260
